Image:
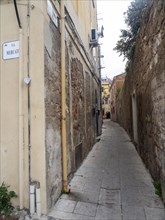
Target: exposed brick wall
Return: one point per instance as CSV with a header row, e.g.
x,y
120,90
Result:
x,y
83,104
146,79
88,113
78,101
68,113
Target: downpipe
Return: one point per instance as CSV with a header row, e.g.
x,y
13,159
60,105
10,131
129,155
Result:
x,y
32,199
27,80
35,199
38,200
63,101
34,187
20,136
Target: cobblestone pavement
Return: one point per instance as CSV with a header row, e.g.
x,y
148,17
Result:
x,y
112,183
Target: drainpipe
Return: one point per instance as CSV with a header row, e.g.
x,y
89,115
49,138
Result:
x,y
27,81
21,139
32,199
63,101
38,199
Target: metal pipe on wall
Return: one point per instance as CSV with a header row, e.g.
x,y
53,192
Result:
x,y
21,139
32,199
63,100
38,200
27,81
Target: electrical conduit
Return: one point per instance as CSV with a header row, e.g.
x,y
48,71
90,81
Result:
x,y
21,139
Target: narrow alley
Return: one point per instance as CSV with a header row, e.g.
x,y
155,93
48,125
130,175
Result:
x,y
112,183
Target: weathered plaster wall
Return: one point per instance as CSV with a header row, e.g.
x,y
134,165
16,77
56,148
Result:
x,y
88,113
53,113
43,65
78,101
145,83
81,90
82,105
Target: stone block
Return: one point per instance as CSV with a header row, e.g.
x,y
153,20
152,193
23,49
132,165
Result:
x,y
65,205
108,213
108,197
133,213
155,213
84,208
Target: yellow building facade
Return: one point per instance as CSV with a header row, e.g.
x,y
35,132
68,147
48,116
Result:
x,y
30,94
105,83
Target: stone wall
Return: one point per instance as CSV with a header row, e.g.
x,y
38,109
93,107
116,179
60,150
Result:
x,y
83,101
141,105
53,114
88,113
78,101
81,90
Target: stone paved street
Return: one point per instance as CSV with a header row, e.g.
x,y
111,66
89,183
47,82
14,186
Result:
x,y
111,184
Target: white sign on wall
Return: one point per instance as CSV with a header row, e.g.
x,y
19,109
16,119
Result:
x,y
10,50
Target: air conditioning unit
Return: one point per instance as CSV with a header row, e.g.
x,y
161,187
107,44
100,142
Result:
x,y
94,35
94,38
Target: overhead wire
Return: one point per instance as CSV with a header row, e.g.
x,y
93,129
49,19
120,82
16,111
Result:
x,y
17,14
